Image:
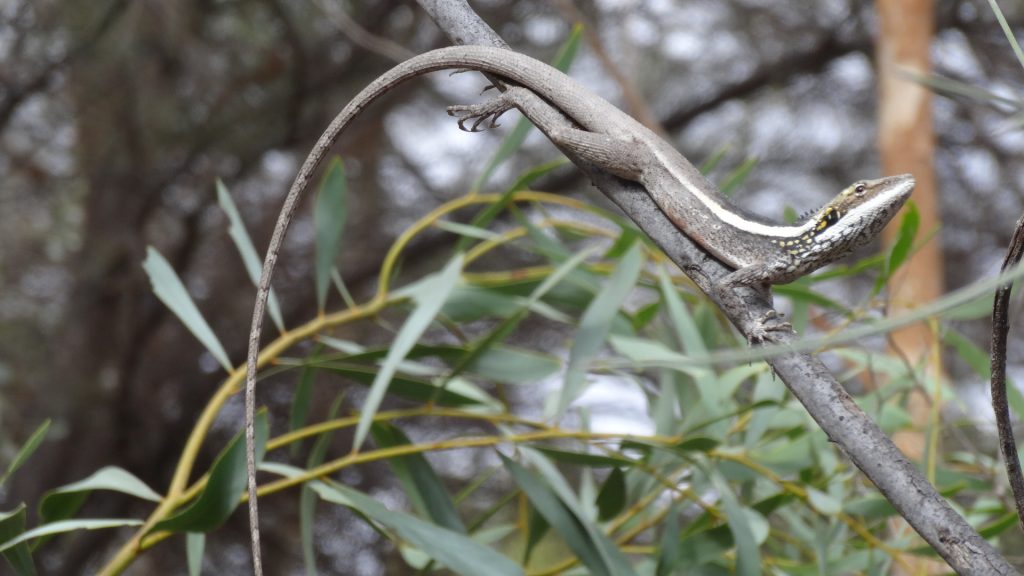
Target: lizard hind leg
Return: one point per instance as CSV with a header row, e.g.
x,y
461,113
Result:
x,y
615,154
484,113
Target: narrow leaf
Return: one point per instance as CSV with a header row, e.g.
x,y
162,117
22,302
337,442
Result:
x,y
27,449
223,489
169,289
412,387
737,176
748,557
612,498
61,503
488,214
588,542
307,499
329,221
668,548
69,526
422,485
243,243
12,525
1007,31
585,459
905,238
301,402
687,332
460,553
596,323
428,303
194,544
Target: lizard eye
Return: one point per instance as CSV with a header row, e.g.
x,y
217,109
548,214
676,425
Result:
x,y
860,189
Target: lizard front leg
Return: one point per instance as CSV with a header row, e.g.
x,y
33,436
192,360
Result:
x,y
729,292
620,156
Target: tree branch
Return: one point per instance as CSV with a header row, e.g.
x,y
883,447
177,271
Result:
x,y
806,377
1000,330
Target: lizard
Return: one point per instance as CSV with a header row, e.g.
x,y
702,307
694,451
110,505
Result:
x,y
760,252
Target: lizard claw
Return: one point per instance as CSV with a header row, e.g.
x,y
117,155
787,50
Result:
x,y
487,112
763,328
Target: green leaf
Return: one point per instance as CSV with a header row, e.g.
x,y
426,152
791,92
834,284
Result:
x,y
329,222
169,289
870,507
687,332
466,230
458,552
748,557
823,503
411,387
12,525
27,449
596,323
68,526
428,303
1007,31
61,503
469,303
668,548
301,401
548,245
194,544
612,498
973,310
714,160
536,529
307,498
905,238
1016,400
1000,525
587,541
488,214
250,259
422,485
512,142
224,488
584,459
480,356
697,444
511,365
975,357
737,176
801,292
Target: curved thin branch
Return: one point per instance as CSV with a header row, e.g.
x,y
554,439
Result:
x,y
1000,330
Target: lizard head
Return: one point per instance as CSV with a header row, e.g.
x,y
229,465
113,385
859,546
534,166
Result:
x,y
853,218
859,212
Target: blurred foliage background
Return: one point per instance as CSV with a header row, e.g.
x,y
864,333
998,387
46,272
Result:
x,y
117,117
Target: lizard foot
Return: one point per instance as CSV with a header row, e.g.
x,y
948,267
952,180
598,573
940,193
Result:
x,y
763,328
480,114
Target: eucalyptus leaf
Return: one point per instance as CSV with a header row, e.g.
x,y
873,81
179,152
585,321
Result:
x,y
61,503
195,542
68,526
243,243
428,303
26,450
458,552
590,545
224,487
169,289
329,216
19,556
596,323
